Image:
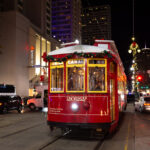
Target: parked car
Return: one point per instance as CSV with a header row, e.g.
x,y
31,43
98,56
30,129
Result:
x,y
133,97
40,100
143,104
25,99
37,102
8,103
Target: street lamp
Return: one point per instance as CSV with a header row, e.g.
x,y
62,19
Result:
x,y
134,49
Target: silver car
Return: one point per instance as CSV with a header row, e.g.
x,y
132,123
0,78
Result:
x,y
143,104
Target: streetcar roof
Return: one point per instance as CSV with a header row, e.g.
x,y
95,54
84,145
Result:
x,y
79,49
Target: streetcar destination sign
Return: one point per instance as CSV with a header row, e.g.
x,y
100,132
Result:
x,y
76,98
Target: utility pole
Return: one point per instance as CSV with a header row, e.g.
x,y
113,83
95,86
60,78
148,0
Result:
x,y
134,49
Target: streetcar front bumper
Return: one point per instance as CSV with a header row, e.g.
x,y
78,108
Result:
x,y
102,126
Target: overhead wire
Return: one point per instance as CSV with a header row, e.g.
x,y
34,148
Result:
x,y
133,18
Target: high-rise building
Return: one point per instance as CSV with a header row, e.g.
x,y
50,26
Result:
x,y
66,20
9,5
25,34
37,11
143,70
96,23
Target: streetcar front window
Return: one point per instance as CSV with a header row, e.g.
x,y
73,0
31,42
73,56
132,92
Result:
x,y
75,79
75,75
57,77
96,79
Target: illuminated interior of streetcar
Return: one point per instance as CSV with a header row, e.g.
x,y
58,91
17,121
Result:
x,y
75,76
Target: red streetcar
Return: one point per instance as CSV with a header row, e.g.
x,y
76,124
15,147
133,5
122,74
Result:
x,y
87,87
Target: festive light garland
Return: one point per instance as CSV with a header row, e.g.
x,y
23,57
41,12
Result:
x,y
84,55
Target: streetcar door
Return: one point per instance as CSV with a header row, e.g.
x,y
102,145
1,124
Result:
x,y
112,99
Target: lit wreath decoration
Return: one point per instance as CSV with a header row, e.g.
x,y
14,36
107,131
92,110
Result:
x,y
84,55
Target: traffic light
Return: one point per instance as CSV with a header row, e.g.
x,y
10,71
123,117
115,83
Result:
x,y
139,78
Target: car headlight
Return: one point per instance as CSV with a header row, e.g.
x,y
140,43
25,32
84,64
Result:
x,y
74,106
45,109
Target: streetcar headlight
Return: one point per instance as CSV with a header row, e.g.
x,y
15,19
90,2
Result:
x,y
74,106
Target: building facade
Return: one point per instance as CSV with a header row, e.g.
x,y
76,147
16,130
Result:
x,y
96,23
24,37
143,70
66,20
37,11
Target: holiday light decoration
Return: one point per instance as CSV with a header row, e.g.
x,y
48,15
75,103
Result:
x,y
84,55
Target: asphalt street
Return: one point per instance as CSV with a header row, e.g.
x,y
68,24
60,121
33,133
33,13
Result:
x,y
29,131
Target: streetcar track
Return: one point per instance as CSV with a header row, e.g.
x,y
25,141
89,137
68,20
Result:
x,y
20,131
53,141
97,147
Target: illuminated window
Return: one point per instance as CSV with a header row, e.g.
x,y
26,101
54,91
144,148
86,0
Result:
x,y
57,77
43,44
48,47
97,75
75,75
37,55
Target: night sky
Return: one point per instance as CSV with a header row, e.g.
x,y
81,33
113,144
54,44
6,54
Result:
x,y
122,24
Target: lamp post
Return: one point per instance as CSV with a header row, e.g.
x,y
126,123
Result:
x,y
134,49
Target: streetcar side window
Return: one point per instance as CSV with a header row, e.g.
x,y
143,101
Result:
x,y
112,67
75,76
97,75
57,78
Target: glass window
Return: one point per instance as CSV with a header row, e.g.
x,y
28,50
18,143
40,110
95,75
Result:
x,y
97,75
57,77
96,79
75,75
96,61
75,79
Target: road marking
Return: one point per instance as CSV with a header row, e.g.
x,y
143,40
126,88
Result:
x,y
126,143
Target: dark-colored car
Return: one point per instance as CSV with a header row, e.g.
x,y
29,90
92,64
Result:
x,y
133,97
8,103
